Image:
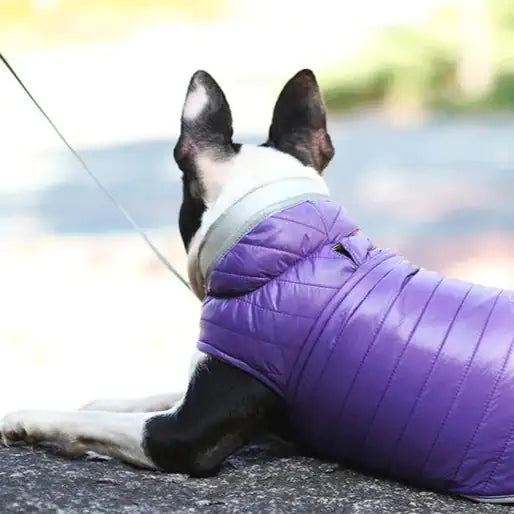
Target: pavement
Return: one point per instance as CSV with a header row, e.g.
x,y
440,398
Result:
x,y
259,479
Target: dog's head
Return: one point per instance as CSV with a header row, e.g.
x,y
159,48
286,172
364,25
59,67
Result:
x,y
215,167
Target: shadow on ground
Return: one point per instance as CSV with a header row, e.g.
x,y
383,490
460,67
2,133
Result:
x,y
258,479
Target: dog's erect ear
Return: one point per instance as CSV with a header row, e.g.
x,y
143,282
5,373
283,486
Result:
x,y
299,125
205,140
206,123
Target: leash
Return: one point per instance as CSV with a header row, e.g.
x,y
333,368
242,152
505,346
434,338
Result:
x,y
97,181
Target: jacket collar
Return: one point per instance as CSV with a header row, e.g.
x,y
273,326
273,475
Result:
x,y
242,216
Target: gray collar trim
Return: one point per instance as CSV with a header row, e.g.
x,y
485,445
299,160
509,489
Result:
x,y
249,211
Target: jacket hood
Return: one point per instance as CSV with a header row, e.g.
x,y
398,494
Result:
x,y
241,218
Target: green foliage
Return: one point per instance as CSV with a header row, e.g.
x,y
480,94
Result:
x,y
418,66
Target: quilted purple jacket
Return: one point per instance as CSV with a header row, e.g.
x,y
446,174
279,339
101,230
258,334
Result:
x,y
383,365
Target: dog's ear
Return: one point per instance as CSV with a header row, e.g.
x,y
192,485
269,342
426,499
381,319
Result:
x,y
299,125
205,141
206,124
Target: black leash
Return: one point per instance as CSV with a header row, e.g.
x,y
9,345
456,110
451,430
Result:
x,y
96,180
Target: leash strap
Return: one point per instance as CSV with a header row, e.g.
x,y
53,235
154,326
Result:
x,y
97,181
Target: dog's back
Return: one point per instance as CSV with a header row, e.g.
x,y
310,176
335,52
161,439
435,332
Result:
x,y
383,364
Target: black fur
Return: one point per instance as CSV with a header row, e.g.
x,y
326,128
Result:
x,y
223,409
192,208
213,126
299,125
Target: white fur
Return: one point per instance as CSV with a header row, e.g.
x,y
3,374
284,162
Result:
x,y
197,360
111,427
226,181
156,402
195,102
118,435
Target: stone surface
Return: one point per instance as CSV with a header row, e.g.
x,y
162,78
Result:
x,y
258,479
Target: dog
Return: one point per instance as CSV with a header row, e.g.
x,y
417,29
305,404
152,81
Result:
x,y
252,377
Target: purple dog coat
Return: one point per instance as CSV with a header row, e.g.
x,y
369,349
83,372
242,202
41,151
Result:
x,y
383,365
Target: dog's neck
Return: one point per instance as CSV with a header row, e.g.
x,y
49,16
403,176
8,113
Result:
x,y
255,190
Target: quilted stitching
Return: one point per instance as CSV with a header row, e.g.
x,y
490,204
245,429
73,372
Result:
x,y
240,275
240,333
341,300
320,218
498,458
333,308
286,281
371,345
336,219
391,378
275,311
485,408
280,250
427,378
459,387
296,222
272,379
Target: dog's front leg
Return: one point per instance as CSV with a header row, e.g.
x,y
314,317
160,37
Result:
x,y
153,403
222,409
118,435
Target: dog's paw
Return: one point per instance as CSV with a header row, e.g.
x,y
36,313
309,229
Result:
x,y
18,426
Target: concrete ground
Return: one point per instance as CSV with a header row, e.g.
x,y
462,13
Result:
x,y
258,479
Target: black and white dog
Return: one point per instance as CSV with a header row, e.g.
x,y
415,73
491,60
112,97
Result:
x,y
223,407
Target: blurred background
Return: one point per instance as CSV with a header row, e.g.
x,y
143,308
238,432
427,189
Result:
x,y
420,95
